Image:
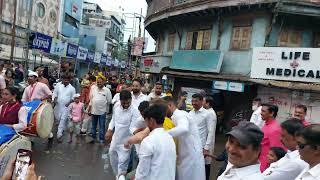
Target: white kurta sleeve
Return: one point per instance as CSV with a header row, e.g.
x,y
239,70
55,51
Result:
x,y
109,96
215,120
24,96
210,127
111,124
145,157
137,121
182,126
22,116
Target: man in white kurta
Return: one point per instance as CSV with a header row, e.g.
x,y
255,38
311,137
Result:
x,y
256,115
119,132
204,120
63,94
190,161
137,95
158,152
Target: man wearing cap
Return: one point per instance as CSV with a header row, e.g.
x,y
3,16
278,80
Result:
x,y
35,90
63,94
243,148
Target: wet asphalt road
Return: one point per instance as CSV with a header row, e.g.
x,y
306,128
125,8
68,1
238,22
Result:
x,y
84,161
71,161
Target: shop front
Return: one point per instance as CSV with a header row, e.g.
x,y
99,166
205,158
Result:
x,y
287,77
201,72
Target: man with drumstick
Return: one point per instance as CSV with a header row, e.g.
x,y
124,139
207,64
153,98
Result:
x,y
35,90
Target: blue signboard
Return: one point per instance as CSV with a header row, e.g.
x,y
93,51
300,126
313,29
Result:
x,y
41,42
196,60
228,86
72,50
90,56
103,59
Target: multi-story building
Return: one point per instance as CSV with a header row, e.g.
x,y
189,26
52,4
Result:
x,y
70,19
212,45
31,15
98,20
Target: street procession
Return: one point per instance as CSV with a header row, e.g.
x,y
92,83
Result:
x,y
159,90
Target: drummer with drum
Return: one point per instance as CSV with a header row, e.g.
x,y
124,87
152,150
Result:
x,y
36,90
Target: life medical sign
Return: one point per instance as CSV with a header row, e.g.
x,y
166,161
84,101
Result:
x,y
41,42
290,64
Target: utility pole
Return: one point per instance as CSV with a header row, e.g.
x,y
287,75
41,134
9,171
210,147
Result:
x,y
13,29
1,7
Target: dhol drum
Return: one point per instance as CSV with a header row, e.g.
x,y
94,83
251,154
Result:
x,y
40,119
9,150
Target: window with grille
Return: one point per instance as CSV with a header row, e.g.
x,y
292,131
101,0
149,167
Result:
x,y
198,40
290,38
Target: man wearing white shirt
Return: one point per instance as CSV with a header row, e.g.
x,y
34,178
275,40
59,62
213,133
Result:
x,y
137,95
309,148
2,81
243,148
63,94
290,166
100,99
256,115
204,121
208,104
157,92
190,160
158,152
121,122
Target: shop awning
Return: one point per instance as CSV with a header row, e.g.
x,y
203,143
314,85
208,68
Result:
x,y
288,84
197,60
301,7
204,76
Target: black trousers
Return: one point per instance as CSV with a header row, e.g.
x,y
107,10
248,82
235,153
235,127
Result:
x,y
208,171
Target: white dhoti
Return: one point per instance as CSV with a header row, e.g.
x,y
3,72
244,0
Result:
x,y
61,114
119,159
191,168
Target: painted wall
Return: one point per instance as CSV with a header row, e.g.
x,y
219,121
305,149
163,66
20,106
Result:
x,y
239,62
287,99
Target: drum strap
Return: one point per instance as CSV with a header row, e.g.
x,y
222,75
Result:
x,y
32,90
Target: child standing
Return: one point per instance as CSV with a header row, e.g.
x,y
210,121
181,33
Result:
x,y
76,109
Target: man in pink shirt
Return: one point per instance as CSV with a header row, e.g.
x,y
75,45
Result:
x,y
35,90
300,112
271,131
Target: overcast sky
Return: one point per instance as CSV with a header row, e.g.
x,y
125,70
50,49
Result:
x,y
128,7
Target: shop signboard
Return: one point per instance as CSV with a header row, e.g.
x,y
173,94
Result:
x,y
103,59
41,42
109,59
195,60
97,58
72,50
289,64
90,56
58,47
82,53
228,86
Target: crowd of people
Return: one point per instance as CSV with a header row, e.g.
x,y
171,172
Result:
x,y
153,137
